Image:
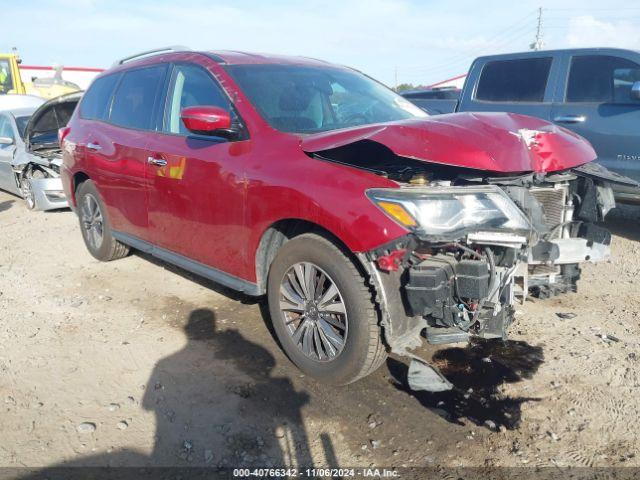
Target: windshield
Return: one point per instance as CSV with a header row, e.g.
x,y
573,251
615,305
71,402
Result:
x,y
300,99
6,82
21,123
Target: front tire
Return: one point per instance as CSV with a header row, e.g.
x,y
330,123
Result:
x,y
27,193
322,311
94,225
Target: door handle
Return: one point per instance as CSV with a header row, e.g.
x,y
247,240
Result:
x,y
158,162
93,146
570,118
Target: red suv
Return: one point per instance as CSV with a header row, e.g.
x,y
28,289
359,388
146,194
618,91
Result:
x,y
365,222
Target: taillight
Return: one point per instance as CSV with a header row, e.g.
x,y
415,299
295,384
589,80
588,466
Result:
x,y
62,134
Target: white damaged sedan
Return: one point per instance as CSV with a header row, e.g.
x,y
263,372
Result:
x,y
30,156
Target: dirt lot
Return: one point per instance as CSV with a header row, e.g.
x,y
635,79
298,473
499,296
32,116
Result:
x,y
137,363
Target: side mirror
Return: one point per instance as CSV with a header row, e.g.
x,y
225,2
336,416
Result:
x,y
6,141
635,91
206,119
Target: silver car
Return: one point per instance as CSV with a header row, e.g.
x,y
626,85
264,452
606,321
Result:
x,y
30,156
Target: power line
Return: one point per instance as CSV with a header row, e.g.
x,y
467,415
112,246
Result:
x,y
506,41
468,57
591,9
507,31
566,19
518,30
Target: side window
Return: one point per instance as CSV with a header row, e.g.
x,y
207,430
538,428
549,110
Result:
x,y
95,102
522,80
135,97
190,86
5,127
601,79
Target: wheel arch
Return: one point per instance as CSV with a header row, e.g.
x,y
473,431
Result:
x,y
281,231
78,179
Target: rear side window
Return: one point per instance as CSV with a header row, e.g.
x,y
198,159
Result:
x,y
601,79
135,98
523,80
96,100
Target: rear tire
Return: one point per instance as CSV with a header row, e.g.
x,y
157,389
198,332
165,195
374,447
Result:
x,y
295,312
94,225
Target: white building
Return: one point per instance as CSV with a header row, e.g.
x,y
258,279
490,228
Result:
x,y
81,76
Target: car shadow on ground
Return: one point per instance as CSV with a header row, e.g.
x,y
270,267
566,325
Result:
x,y
624,221
202,281
217,404
216,287
478,371
6,205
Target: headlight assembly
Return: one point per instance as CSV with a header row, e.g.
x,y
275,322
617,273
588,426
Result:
x,y
451,212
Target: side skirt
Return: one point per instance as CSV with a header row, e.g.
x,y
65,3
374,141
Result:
x,y
192,266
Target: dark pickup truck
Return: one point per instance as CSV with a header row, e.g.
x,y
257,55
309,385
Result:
x,y
594,92
435,100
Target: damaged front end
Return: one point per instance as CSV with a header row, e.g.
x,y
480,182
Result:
x,y
479,241
37,169
475,250
454,275
38,177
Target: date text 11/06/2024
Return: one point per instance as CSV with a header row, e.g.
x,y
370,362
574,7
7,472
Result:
x,y
315,472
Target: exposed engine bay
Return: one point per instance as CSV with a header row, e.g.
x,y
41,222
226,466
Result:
x,y
37,166
479,244
32,176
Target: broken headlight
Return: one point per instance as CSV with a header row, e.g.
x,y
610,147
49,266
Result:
x,y
451,212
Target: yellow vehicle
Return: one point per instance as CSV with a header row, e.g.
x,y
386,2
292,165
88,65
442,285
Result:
x,y
11,81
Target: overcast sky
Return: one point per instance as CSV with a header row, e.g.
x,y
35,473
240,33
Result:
x,y
423,41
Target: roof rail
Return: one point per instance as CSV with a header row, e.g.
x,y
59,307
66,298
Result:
x,y
155,51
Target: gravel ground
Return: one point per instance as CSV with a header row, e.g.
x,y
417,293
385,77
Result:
x,y
137,363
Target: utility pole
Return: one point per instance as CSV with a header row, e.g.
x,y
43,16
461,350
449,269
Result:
x,y
539,43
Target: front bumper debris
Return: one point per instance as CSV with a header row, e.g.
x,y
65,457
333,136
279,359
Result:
x,y
449,291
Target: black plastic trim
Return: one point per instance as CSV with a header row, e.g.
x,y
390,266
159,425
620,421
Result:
x,y
190,265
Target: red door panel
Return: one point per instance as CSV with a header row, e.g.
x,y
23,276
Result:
x,y
118,159
196,201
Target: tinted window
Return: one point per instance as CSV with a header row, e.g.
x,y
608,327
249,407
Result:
x,y
294,98
95,102
133,103
521,80
602,79
190,86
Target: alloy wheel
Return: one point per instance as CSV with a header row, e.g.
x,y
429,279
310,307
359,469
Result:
x,y
314,312
92,221
27,193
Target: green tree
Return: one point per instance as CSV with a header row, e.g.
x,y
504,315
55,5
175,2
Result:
x,y
404,87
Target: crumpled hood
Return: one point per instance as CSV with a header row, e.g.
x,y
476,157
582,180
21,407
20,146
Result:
x,y
495,142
